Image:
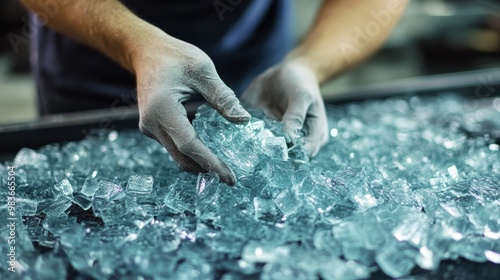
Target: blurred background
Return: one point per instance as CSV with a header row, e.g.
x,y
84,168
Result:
x,y
433,37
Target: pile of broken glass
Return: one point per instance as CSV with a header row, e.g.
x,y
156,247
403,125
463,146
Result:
x,y
403,183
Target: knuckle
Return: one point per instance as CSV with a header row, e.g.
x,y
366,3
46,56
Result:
x,y
294,120
186,146
148,122
183,148
146,119
146,130
197,63
197,69
225,98
144,125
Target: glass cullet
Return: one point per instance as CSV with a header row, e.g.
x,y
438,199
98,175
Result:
x,y
402,183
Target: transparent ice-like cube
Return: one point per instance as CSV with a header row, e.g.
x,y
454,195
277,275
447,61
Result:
x,y
275,148
180,198
108,210
50,267
90,186
141,184
265,209
109,191
283,271
412,228
287,202
64,187
56,207
28,206
56,225
145,205
209,193
337,269
30,157
258,252
81,200
396,260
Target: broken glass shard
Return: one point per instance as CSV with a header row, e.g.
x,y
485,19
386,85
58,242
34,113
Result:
x,y
401,182
141,184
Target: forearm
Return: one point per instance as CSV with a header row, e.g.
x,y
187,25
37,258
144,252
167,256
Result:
x,y
346,32
106,25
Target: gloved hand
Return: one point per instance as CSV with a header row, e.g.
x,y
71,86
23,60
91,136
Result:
x,y
169,73
289,91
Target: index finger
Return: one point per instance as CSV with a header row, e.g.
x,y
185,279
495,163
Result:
x,y
182,133
316,129
222,98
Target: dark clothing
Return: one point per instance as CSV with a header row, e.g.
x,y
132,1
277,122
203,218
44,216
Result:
x,y
242,40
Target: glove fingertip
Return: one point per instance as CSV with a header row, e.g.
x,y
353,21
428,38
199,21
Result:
x,y
292,131
229,178
311,149
226,175
239,114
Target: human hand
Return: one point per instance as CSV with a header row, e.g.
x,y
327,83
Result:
x,y
170,71
289,91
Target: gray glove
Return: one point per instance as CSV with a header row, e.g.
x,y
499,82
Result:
x,y
169,74
290,92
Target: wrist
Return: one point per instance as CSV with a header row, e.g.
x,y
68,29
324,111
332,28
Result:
x,y
303,59
298,59
140,45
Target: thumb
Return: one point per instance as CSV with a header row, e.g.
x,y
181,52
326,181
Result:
x,y
294,117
